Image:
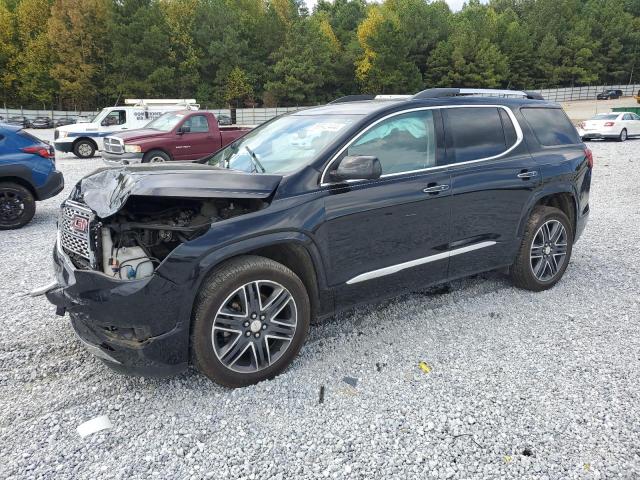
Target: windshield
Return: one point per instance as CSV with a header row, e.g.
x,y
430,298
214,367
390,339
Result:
x,y
283,145
605,116
166,122
98,118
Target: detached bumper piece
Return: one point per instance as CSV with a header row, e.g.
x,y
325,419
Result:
x,y
132,326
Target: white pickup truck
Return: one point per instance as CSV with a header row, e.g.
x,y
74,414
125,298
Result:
x,y
83,139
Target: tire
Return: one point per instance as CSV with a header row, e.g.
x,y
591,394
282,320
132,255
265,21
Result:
x,y
531,271
623,135
155,156
17,206
244,349
84,149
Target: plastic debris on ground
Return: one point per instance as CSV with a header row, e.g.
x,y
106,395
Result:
x,y
94,425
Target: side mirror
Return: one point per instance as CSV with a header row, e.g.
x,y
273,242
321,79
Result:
x,y
357,167
184,129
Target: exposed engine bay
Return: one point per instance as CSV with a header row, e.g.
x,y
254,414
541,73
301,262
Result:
x,y
134,241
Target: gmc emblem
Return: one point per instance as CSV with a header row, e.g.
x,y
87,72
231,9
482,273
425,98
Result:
x,y
79,224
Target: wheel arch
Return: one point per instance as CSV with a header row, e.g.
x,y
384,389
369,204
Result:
x,y
561,197
75,142
294,250
157,149
22,182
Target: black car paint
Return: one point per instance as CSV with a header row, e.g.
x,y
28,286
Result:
x,y
344,229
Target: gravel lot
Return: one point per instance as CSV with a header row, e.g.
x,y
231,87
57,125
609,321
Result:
x,y
522,385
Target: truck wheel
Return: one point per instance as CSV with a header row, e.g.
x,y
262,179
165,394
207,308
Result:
x,y
251,319
545,250
623,135
84,149
155,156
17,206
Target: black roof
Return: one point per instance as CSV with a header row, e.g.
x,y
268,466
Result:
x,y
370,107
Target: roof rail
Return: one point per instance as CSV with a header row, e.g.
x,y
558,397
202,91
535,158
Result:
x,y
490,92
353,98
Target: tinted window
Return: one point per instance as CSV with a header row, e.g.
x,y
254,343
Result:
x,y
197,124
402,143
551,126
475,133
634,117
627,117
510,136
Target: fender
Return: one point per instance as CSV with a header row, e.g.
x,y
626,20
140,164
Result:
x,y
19,172
215,257
545,191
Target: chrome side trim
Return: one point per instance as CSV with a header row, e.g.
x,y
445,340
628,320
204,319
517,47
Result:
x,y
381,272
514,120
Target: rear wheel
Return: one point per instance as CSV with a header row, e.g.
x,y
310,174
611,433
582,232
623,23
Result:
x,y
251,319
17,206
155,156
84,149
545,250
623,135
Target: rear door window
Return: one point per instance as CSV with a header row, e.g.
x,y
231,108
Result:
x,y
551,126
475,133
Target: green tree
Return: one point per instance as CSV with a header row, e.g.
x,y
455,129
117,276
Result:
x,y
78,34
384,66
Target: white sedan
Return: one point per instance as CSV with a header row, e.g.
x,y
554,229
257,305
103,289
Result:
x,y
618,125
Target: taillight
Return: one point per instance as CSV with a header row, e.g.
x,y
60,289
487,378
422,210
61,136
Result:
x,y
609,124
589,154
43,150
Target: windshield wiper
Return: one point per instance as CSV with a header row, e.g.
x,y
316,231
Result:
x,y
254,159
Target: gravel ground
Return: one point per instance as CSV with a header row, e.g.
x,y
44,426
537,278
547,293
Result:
x,y
521,385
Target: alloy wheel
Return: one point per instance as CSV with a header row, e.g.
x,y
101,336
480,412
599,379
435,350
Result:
x,y
254,326
548,250
11,206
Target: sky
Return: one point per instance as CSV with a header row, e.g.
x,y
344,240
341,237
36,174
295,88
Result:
x,y
454,4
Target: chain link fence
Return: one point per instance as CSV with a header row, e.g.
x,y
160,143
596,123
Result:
x,y
256,116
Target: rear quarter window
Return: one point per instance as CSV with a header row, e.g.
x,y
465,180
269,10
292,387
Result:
x,y
551,126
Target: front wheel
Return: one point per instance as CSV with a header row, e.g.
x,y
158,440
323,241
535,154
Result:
x,y
17,206
623,135
251,319
84,149
545,250
155,156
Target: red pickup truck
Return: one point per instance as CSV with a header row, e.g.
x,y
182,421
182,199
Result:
x,y
182,135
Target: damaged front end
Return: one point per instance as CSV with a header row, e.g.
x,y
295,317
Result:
x,y
124,222
115,231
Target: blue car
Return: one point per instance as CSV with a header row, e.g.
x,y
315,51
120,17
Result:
x,y
27,174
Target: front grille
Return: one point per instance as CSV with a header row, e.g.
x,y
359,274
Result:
x,y
74,241
113,145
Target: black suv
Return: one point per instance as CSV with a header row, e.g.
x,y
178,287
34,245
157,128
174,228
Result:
x,y
609,95
225,263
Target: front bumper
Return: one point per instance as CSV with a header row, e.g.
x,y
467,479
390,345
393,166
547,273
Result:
x,y
121,159
63,145
135,327
52,187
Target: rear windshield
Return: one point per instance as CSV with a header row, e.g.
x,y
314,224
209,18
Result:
x,y
605,116
29,137
551,126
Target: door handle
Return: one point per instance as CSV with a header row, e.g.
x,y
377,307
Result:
x,y
436,189
526,175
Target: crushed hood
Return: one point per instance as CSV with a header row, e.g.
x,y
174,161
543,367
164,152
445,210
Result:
x,y
105,191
